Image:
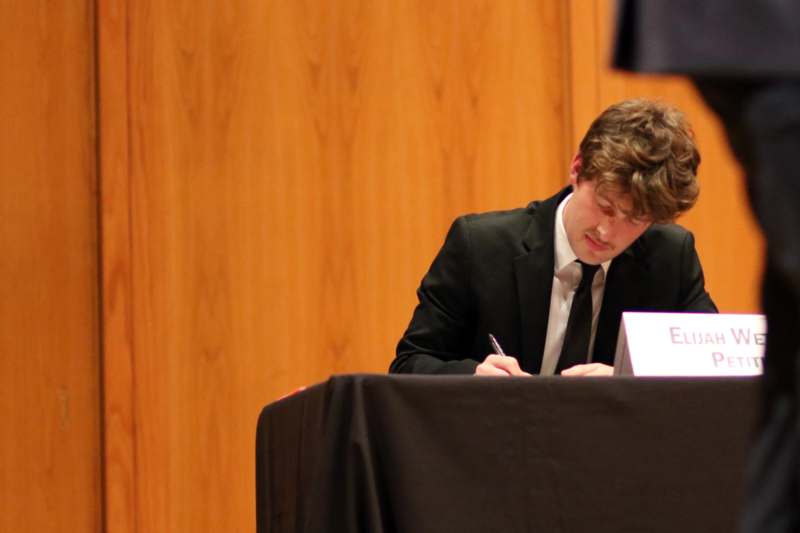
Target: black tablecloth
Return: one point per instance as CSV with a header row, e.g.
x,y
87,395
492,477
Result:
x,y
374,453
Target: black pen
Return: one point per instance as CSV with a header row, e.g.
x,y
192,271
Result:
x,y
496,346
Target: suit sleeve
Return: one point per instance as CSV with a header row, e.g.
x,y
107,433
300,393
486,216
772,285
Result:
x,y
693,286
438,338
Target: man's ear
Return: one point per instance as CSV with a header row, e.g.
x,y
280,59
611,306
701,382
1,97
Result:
x,y
575,169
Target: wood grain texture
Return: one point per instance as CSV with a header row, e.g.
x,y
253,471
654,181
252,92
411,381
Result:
x,y
277,177
722,223
49,352
293,168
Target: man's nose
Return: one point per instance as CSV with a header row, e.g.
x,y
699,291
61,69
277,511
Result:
x,y
606,225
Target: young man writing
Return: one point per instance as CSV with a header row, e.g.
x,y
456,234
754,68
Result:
x,y
551,280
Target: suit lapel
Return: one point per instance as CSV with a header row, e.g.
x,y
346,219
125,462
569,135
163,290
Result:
x,y
534,274
622,292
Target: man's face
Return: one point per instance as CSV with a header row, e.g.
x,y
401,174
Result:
x,y
597,226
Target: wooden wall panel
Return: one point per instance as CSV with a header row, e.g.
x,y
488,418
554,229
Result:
x,y
293,167
50,477
721,220
277,177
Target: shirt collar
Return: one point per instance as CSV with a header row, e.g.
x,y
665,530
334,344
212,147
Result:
x,y
563,251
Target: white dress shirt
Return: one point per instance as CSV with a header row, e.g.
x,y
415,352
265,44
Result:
x,y
566,277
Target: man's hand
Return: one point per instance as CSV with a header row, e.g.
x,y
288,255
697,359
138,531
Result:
x,y
592,369
499,365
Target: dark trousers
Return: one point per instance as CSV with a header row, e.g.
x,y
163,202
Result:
x,y
762,120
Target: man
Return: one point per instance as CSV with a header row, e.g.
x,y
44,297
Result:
x,y
516,274
744,58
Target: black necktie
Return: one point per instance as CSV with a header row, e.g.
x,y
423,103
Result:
x,y
579,326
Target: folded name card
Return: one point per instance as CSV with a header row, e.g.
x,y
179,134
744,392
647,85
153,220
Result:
x,y
690,344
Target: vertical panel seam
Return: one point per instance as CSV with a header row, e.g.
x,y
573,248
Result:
x,y
569,93
94,38
101,143
598,62
131,291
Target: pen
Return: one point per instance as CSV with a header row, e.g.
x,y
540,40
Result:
x,y
496,345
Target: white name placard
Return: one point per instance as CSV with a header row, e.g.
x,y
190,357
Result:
x,y
690,344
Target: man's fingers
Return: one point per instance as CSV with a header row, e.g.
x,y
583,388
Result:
x,y
577,370
591,369
487,369
601,370
508,364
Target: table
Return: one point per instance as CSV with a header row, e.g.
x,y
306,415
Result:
x,y
378,453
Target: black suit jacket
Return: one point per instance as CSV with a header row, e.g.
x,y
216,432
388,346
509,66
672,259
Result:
x,y
494,274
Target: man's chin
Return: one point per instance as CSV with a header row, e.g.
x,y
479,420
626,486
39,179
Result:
x,y
590,257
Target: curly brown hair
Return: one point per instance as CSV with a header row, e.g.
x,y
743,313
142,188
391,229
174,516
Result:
x,y
643,149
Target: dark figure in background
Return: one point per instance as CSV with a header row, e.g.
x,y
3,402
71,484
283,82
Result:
x,y
744,58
